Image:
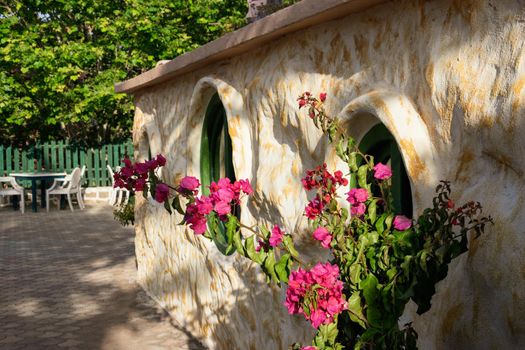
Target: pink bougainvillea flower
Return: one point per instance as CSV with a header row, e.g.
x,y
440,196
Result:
x,y
126,172
203,205
382,172
321,234
119,182
326,184
276,236
338,175
245,186
161,161
450,204
358,209
196,213
322,96
224,182
127,162
161,192
152,164
199,226
321,288
141,168
309,347
318,317
189,184
402,223
222,208
224,195
314,208
139,184
357,195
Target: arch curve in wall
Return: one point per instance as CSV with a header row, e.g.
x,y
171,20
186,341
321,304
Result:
x,y
399,116
147,138
238,125
239,130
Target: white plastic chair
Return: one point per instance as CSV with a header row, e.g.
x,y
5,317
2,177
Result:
x,y
14,190
82,190
71,185
117,194
67,178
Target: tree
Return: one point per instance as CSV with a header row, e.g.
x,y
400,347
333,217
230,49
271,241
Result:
x,y
59,60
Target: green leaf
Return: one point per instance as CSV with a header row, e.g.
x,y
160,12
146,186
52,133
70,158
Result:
x,y
282,268
237,242
264,231
423,261
288,243
355,273
219,236
362,174
369,288
231,227
379,224
176,205
391,273
388,221
167,206
372,207
352,162
326,336
344,214
269,266
249,246
356,311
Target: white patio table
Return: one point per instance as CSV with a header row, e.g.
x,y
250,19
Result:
x,y
34,177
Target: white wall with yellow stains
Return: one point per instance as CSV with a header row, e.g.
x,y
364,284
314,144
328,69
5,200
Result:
x,y
448,80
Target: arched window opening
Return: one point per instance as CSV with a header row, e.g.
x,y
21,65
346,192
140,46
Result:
x,y
216,146
379,143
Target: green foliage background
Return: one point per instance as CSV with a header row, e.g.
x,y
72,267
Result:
x,y
59,60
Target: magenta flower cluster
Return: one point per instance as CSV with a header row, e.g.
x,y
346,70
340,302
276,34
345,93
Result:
x,y
357,198
402,223
276,236
135,176
189,185
322,235
275,239
382,172
326,184
317,294
307,99
224,195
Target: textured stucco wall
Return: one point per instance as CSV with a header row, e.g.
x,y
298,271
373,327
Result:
x,y
446,77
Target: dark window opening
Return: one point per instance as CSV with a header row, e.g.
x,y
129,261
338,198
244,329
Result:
x,y
216,146
379,143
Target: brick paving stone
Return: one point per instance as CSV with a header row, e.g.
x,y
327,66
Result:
x,y
10,339
69,343
68,283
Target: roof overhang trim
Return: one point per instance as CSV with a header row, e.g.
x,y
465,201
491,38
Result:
x,y
301,15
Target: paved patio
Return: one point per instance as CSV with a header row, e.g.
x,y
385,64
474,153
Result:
x,y
67,281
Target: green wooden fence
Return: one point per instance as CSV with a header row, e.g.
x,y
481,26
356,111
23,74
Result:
x,y
60,156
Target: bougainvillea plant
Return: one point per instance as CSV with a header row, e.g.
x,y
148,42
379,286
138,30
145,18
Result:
x,y
380,260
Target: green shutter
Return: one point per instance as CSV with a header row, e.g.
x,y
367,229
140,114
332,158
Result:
x,y
216,145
